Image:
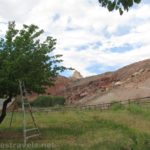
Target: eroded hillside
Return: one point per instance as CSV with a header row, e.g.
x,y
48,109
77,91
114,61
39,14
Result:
x,y
132,81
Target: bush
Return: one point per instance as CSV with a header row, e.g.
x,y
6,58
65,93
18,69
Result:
x,y
117,106
48,101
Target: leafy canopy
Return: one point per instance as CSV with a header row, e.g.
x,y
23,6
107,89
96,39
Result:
x,y
24,57
121,5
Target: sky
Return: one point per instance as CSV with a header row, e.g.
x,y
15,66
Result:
x,y
91,39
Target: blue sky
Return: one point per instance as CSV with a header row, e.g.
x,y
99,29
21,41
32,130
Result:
x,y
91,39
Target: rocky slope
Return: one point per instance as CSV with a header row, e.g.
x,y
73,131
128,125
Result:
x,y
129,82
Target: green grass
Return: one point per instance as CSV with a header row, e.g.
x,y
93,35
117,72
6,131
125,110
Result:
x,y
121,128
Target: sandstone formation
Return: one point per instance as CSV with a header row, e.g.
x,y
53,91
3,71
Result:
x,y
76,75
129,82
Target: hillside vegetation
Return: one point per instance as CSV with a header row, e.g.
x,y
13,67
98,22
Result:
x,y
120,128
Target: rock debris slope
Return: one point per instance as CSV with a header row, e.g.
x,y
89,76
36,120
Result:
x,y
129,82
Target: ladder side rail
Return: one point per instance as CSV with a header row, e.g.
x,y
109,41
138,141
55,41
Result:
x,y
23,109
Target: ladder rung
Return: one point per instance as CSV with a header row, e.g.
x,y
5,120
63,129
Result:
x,y
34,135
31,129
26,103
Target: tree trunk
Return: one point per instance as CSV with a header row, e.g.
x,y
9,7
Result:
x,y
4,109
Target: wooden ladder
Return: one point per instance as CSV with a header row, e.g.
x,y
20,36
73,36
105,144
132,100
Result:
x,y
27,132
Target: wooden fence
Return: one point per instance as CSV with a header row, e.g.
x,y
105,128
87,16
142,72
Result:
x,y
101,106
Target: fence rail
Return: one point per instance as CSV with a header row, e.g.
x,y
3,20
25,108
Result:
x,y
101,106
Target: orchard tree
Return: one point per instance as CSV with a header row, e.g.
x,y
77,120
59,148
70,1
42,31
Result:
x,y
23,57
121,5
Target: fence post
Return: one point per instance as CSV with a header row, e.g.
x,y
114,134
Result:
x,y
129,102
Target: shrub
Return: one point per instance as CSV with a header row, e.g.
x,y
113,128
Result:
x,y
48,101
117,106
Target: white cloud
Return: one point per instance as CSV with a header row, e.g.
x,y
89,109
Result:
x,y
78,23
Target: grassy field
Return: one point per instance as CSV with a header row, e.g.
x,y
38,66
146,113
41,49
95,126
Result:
x,y
120,128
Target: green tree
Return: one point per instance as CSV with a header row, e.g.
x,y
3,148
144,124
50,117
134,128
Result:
x,y
121,5
24,57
